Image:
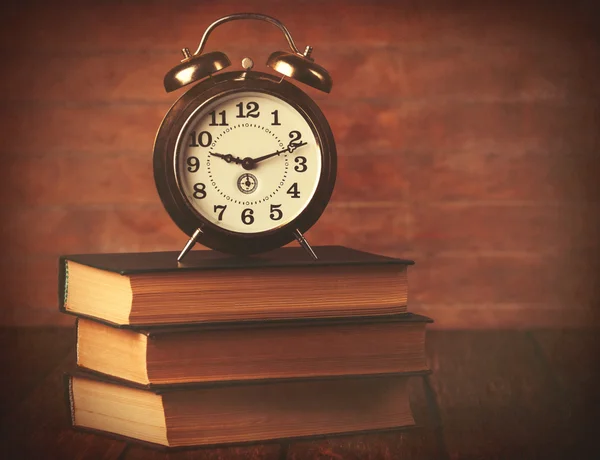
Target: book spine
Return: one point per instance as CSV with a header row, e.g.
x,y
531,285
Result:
x,y
63,283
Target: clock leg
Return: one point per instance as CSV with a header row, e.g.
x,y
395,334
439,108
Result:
x,y
189,245
300,238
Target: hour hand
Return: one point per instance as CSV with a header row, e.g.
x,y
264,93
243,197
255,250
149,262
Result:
x,y
229,158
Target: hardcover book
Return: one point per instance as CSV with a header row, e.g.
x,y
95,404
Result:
x,y
216,414
154,289
254,351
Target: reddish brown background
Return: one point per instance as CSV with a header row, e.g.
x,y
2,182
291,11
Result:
x,y
468,139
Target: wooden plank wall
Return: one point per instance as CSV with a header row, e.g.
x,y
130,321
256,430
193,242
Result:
x,y
468,139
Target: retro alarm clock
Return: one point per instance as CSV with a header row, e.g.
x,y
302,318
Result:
x,y
245,161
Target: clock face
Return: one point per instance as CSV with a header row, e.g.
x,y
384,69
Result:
x,y
248,162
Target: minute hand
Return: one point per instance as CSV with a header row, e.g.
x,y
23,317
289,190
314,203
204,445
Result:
x,y
290,148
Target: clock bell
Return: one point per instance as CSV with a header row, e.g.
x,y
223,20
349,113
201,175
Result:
x,y
293,64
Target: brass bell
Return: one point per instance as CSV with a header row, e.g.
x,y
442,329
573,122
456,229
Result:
x,y
301,68
194,68
294,64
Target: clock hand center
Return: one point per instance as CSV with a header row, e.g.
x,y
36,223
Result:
x,y
248,163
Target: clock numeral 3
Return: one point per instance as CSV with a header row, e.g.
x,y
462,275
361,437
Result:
x,y
293,190
222,209
193,164
247,216
199,191
301,166
276,213
204,139
252,108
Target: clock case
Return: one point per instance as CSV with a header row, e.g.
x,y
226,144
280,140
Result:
x,y
165,162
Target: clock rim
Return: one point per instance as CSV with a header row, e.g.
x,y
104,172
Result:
x,y
166,176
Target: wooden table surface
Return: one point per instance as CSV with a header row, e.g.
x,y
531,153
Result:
x,y
501,394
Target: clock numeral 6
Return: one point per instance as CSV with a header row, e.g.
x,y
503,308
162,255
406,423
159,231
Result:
x,y
204,139
247,216
301,166
193,164
220,207
199,191
293,190
276,213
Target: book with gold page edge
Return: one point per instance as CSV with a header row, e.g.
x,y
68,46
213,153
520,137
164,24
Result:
x,y
254,351
239,412
144,289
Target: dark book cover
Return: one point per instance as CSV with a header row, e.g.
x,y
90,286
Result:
x,y
128,263
82,372
157,330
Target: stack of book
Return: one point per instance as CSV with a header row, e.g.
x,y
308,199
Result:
x,y
222,349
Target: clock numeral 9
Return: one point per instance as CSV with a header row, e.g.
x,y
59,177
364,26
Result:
x,y
193,164
199,191
301,166
276,213
293,190
220,207
247,216
252,110
204,139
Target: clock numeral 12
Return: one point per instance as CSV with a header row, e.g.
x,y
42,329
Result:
x,y
252,110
